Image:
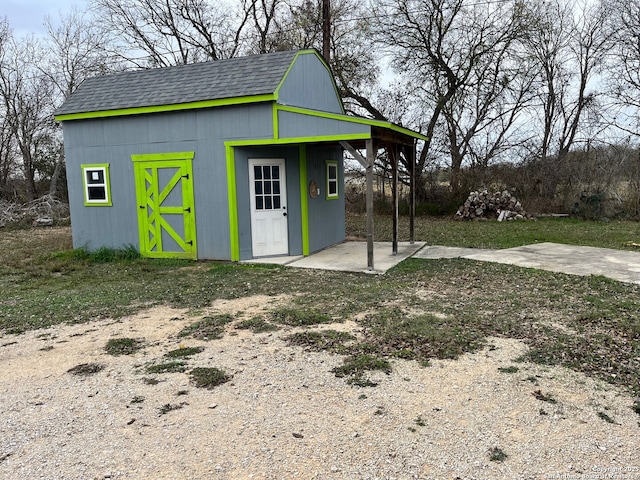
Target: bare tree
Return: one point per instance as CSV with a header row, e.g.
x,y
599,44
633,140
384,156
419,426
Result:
x,y
27,98
353,60
624,62
75,50
7,153
458,57
172,32
264,18
569,43
482,116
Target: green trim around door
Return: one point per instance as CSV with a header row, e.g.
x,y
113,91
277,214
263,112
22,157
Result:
x,y
165,205
232,195
304,201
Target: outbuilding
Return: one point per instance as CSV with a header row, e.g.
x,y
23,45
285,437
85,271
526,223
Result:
x,y
229,160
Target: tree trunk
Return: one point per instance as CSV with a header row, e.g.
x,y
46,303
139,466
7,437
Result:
x,y
53,187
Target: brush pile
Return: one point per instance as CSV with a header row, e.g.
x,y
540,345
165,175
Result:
x,y
484,205
44,211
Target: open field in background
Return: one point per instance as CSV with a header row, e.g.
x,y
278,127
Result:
x,y
492,234
421,309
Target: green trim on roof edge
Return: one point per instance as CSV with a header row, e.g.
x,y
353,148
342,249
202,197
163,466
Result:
x,y
167,108
297,140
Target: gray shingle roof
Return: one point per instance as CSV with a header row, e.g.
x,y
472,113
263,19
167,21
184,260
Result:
x,y
235,77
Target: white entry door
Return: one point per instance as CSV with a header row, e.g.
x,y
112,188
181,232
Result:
x,y
269,226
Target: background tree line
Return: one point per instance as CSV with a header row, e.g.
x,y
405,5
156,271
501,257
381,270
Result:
x,y
540,96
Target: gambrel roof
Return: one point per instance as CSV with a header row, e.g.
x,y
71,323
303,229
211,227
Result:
x,y
296,82
250,76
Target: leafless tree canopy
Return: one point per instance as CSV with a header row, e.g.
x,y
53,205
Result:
x,y
486,82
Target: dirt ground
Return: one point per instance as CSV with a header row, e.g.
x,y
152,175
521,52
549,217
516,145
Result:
x,y
285,415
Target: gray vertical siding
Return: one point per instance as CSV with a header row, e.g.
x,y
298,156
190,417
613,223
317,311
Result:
x,y
326,217
114,140
295,125
310,85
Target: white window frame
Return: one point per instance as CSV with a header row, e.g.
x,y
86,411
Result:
x,y
332,180
88,183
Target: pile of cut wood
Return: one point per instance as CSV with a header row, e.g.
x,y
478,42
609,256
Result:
x,y
44,211
484,204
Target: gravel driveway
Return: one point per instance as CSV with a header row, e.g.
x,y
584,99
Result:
x,y
285,415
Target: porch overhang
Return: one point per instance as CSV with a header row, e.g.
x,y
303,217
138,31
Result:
x,y
358,134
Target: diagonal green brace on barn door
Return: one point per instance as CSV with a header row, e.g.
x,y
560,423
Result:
x,y
166,209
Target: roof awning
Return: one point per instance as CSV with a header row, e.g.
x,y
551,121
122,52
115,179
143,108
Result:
x,y
356,134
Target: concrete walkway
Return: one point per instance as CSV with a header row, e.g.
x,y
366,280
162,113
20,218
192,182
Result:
x,y
619,265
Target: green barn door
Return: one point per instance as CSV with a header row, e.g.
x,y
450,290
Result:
x,y
166,214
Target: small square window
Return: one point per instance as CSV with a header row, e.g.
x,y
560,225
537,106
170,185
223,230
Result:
x,y
97,190
332,180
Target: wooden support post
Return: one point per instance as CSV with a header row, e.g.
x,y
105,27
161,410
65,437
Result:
x,y
371,156
394,155
412,194
367,163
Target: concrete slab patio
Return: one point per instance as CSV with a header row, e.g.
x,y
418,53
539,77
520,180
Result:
x,y
620,265
350,257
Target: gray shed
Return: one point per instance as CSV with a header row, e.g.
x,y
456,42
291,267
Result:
x,y
228,160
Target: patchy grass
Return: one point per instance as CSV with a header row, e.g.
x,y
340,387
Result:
x,y
208,377
86,369
544,397
315,340
169,407
421,309
168,367
400,333
123,346
209,328
354,369
184,352
606,417
494,234
497,455
509,369
256,325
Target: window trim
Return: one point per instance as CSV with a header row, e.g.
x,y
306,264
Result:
x,y
104,167
336,180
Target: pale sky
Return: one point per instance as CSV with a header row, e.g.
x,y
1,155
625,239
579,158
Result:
x,y
27,16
